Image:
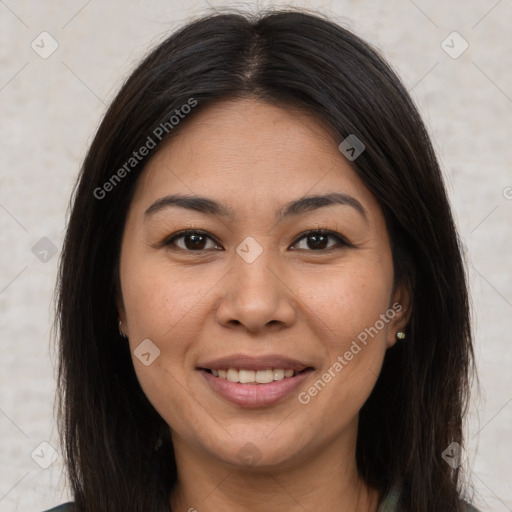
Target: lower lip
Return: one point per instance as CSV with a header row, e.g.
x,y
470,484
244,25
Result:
x,y
255,395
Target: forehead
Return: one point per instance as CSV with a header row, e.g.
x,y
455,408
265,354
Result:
x,y
243,150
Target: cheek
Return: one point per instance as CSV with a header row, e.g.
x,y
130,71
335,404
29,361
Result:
x,y
347,301
165,304
159,300
162,305
346,309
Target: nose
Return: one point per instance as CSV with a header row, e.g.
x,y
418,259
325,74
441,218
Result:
x,y
256,295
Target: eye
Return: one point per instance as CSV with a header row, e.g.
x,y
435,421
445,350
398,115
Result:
x,y
193,240
318,240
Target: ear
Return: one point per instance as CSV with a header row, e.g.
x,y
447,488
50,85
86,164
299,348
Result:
x,y
121,313
120,310
401,303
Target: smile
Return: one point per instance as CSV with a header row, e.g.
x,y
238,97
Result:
x,y
252,377
254,389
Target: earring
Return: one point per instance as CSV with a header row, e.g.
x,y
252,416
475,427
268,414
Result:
x,y
120,331
400,335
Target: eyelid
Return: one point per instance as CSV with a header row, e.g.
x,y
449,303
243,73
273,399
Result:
x,y
167,241
342,241
322,231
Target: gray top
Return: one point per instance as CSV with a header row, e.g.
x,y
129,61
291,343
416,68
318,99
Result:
x,y
388,505
391,500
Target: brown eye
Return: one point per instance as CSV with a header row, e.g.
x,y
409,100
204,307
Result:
x,y
191,240
319,240
199,241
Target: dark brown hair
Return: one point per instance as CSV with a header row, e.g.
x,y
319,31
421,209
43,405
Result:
x,y
117,447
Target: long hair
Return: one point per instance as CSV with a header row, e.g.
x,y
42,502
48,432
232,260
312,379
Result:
x,y
118,449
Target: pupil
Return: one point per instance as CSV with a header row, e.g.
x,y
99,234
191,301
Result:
x,y
198,241
321,243
315,242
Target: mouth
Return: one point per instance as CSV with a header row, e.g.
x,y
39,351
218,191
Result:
x,y
254,383
262,377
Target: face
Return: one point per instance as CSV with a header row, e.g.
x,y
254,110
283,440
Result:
x,y
267,286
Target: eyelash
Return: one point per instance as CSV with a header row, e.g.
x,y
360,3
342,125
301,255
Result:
x,y
169,241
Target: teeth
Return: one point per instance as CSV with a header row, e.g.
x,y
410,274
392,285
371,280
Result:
x,y
246,376
232,375
263,376
279,374
252,376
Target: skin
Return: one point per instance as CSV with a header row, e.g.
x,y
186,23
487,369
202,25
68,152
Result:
x,y
308,304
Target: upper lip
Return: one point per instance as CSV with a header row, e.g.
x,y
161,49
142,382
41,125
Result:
x,y
251,362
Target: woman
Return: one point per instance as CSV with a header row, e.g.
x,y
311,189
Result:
x,y
262,301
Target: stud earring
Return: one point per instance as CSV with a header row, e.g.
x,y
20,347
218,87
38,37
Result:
x,y
120,331
400,335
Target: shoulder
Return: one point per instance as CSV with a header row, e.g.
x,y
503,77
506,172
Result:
x,y
66,507
390,500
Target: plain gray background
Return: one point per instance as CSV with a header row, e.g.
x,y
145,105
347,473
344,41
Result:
x,y
52,103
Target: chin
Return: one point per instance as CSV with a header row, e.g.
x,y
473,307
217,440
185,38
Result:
x,y
261,454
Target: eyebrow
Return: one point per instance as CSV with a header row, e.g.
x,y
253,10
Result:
x,y
293,208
